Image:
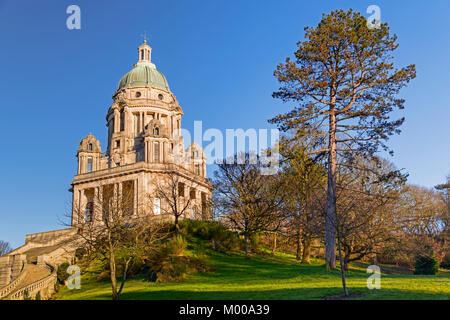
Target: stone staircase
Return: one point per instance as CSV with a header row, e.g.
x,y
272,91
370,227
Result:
x,y
31,268
10,268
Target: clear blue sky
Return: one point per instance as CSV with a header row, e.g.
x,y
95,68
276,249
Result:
x,y
218,56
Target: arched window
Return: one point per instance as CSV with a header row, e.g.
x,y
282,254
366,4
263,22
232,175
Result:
x,y
156,131
122,120
142,54
89,165
90,146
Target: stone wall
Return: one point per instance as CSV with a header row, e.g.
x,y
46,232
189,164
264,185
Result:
x,y
50,238
10,268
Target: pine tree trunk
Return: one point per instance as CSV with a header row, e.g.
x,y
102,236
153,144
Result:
x,y
306,250
330,227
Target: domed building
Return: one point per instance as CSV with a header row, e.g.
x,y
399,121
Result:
x,y
144,148
145,170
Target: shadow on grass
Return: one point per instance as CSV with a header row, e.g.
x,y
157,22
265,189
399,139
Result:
x,y
281,294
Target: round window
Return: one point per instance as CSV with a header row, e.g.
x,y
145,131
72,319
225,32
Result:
x,y
160,96
138,94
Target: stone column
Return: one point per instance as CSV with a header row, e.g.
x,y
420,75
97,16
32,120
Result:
x,y
120,190
95,204
116,120
129,121
125,120
144,120
135,196
82,207
149,150
75,205
81,159
146,151
115,192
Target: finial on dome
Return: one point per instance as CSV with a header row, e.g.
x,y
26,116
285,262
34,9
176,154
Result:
x,y
144,50
144,36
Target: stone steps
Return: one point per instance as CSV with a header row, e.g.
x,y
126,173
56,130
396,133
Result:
x,y
40,250
34,273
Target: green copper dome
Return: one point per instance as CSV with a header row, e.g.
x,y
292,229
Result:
x,y
144,74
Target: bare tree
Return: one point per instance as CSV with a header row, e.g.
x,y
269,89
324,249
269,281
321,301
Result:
x,y
367,189
111,230
5,248
245,199
177,196
424,216
347,86
304,180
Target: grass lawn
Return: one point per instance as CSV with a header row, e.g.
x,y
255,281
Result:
x,y
267,277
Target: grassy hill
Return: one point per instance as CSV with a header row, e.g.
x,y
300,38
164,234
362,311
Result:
x,y
267,277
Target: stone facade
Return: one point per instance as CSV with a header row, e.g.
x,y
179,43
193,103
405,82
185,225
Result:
x,y
144,145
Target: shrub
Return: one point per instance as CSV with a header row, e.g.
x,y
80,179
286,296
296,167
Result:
x,y
199,263
201,229
445,264
173,269
160,260
38,296
26,295
62,274
176,245
221,238
80,253
168,264
427,265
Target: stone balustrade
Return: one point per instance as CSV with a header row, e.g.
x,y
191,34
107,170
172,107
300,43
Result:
x,y
45,286
6,290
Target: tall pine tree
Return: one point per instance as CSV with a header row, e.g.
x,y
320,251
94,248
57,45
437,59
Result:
x,y
345,87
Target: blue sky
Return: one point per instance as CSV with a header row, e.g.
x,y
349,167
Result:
x,y
218,56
